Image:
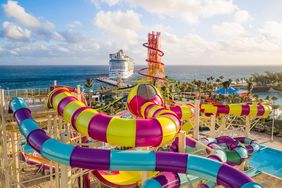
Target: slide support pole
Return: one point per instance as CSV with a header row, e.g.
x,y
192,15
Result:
x,y
197,119
182,142
223,125
212,127
4,140
16,165
57,166
78,90
65,170
273,124
247,126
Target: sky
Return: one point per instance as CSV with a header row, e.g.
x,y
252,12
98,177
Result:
x,y
193,32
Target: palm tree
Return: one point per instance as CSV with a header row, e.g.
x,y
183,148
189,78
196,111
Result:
x,y
89,85
229,98
103,90
267,98
250,86
217,80
271,77
279,77
274,98
226,85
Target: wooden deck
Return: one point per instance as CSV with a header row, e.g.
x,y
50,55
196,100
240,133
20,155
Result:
x,y
268,181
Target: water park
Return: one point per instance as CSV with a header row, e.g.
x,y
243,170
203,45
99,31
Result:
x,y
57,138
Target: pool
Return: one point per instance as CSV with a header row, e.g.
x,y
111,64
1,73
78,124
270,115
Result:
x,y
267,160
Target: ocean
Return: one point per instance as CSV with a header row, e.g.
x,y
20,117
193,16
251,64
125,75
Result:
x,y
18,77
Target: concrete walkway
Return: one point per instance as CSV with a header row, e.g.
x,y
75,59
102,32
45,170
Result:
x,y
265,140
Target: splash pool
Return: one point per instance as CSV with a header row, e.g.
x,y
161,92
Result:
x,y
268,160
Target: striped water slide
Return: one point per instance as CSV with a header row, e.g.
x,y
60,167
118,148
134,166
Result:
x,y
99,159
248,109
170,179
234,151
156,113
192,146
251,144
159,127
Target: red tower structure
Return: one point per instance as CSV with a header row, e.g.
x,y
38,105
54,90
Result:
x,y
155,66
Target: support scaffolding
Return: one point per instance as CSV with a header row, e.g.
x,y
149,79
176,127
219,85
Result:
x,y
16,169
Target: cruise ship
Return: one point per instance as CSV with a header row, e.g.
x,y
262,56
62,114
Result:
x,y
121,66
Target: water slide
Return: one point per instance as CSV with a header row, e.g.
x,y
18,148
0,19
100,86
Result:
x,y
192,146
234,151
160,127
234,154
165,127
97,159
248,109
251,145
30,157
112,129
73,90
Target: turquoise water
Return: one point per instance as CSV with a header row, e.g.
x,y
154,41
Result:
x,y
267,160
42,76
17,77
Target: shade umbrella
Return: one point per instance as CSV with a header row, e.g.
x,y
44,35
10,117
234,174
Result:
x,y
224,91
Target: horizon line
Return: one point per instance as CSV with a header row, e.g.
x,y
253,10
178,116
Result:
x,y
233,65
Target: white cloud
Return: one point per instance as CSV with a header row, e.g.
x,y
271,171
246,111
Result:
x,y
229,30
211,8
111,2
15,32
238,48
71,36
169,38
271,30
14,10
190,45
98,3
74,24
242,16
235,42
25,24
122,25
12,52
189,10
